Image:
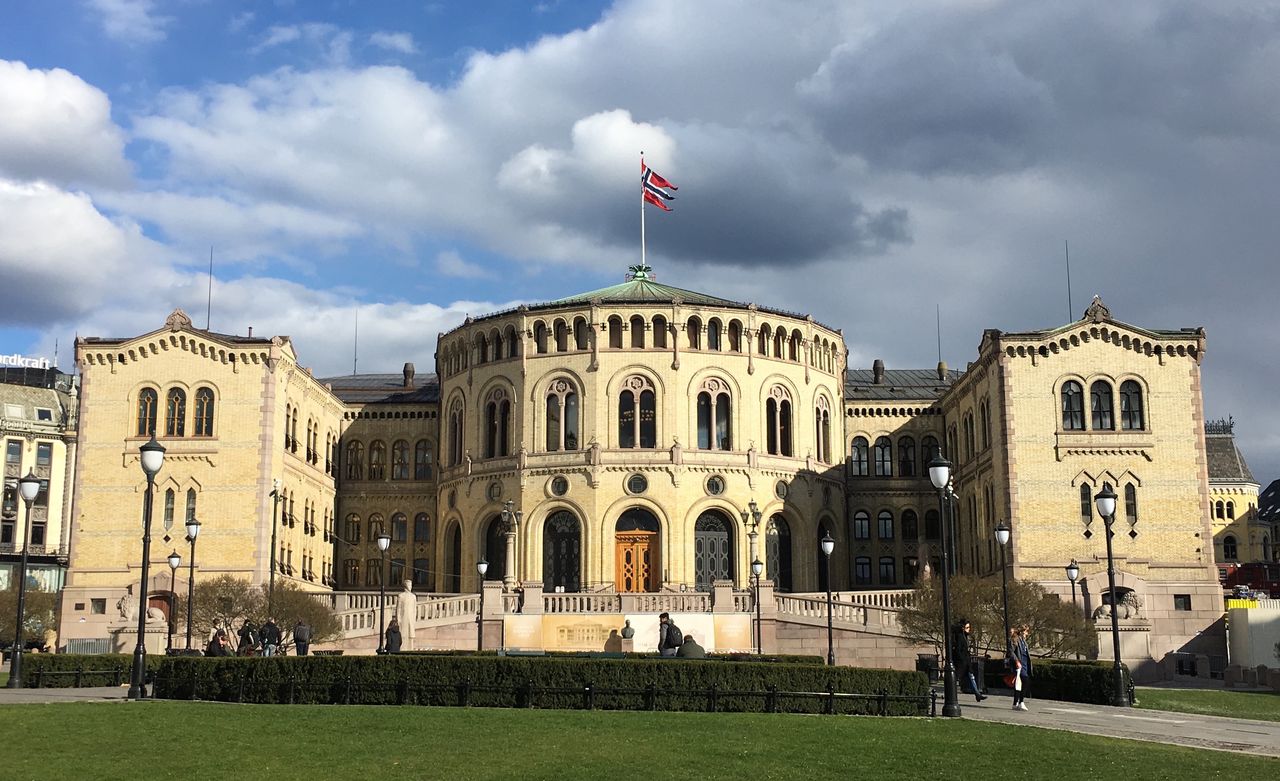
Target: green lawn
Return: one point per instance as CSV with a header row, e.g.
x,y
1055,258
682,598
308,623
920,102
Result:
x,y
159,740
1242,705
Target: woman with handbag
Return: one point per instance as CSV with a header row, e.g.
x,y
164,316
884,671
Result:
x,y
1019,662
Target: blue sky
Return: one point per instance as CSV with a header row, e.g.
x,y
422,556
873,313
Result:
x,y
866,163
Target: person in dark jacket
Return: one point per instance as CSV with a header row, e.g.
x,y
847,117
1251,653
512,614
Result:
x,y
217,645
962,654
1019,660
392,640
670,638
271,637
301,638
689,649
248,639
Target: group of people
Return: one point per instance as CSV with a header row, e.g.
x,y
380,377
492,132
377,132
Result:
x,y
259,641
1017,661
672,642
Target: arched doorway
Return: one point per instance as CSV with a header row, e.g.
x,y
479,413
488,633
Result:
x,y
636,539
777,552
453,559
495,549
561,553
712,549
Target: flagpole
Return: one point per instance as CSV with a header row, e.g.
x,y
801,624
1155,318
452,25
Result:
x,y
642,247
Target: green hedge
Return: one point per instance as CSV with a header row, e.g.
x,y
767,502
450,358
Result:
x,y
728,657
95,669
1069,680
681,684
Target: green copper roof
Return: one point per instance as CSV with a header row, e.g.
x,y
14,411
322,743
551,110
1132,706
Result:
x,y
641,289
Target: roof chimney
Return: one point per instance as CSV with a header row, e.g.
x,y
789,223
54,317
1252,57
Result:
x,y
877,372
408,375
250,332
942,370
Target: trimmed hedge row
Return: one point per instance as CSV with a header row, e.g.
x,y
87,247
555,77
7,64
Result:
x,y
725,657
1068,680
61,671
543,682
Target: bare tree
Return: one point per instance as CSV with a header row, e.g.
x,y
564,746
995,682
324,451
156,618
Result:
x,y
226,601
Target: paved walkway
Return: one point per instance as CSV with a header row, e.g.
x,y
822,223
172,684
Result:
x,y
86,694
1182,729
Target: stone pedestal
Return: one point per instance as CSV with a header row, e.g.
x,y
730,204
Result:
x,y
124,639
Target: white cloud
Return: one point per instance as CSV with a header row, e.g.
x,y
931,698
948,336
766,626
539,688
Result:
x,y
330,42
451,264
240,21
131,21
396,42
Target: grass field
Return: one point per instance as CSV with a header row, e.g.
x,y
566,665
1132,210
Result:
x,y
161,740
1242,705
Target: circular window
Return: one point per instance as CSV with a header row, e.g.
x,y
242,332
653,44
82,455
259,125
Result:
x,y
715,485
637,484
781,489
559,485
453,498
494,491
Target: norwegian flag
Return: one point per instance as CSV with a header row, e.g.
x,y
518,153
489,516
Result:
x,y
655,187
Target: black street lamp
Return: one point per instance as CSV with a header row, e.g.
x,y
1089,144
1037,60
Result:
x,y
151,456
1073,574
275,521
1106,502
482,567
29,489
1002,537
757,569
829,545
175,561
940,476
384,542
193,530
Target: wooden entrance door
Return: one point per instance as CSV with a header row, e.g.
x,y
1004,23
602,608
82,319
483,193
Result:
x,y
636,565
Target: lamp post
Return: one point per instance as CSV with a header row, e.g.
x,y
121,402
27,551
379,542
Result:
x,y
482,567
1002,537
940,476
28,488
151,456
384,542
1106,502
193,530
757,569
275,521
751,520
1073,574
511,523
829,545
175,561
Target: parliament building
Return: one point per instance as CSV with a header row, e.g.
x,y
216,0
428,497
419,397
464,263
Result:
x,y
646,438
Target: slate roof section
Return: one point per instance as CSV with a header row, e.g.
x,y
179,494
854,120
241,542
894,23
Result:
x,y
642,291
898,384
384,388
1269,503
1226,463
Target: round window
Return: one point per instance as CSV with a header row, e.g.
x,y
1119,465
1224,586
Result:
x,y
781,489
637,484
715,485
559,485
494,491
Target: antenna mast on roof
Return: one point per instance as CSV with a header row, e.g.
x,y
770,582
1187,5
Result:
x,y
355,347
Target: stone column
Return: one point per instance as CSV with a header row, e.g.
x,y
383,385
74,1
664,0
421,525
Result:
x,y
509,574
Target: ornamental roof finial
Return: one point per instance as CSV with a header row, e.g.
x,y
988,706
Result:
x,y
638,271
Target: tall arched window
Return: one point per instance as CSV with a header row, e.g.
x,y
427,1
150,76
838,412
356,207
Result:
x,y
778,421
910,525
377,460
1131,503
693,327
932,526
928,451
1072,406
580,338
735,336
191,505
907,457
400,460
793,347
399,527
858,457
883,453
822,430
147,402
1086,504
175,413
1131,413
779,343
204,413
862,525
1231,511
615,333
1220,510
1229,549
455,432
497,422
762,339
422,460
562,416
482,348
498,345
714,412
1100,406
169,497
984,415
562,336
660,332
884,522
351,529
637,414
355,460
540,337
421,528
637,332
713,334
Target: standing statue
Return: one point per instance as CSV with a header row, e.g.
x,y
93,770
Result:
x,y
407,613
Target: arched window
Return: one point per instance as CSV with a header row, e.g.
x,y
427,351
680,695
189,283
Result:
x,y
400,460
779,342
377,460
175,413
375,526
1131,416
422,460
169,497
907,457
862,525
1229,550
562,416
455,432
887,575
561,553
714,414
793,347
399,527
1131,503
928,451
1086,504
191,505
883,453
1219,510
497,421
777,538
421,528
1231,511
862,571
735,336
1072,406
204,413
482,348
1100,406
885,523
355,460
693,327
660,332
762,339
778,421
932,526
713,334
822,430
615,333
498,344
910,525
637,332
540,337
858,455
637,414
562,336
147,402
580,338
351,568
293,431
984,415
351,530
